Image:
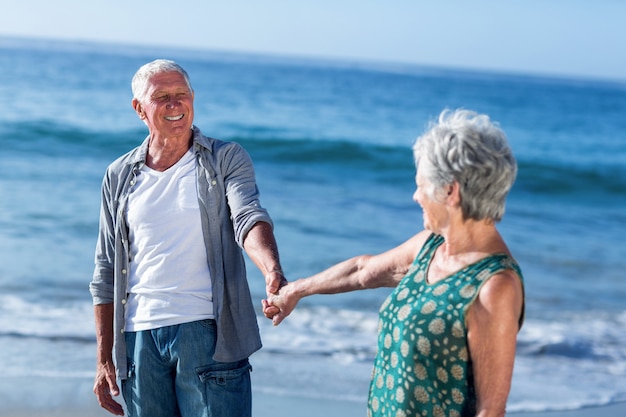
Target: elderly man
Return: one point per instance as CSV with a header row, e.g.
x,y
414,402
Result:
x,y
173,311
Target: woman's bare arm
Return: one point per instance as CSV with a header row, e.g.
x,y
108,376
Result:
x,y
493,324
358,273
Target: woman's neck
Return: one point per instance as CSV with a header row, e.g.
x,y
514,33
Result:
x,y
472,236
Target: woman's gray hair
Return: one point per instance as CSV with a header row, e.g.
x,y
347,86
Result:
x,y
468,148
141,78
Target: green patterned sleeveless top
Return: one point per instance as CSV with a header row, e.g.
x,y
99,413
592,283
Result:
x,y
423,367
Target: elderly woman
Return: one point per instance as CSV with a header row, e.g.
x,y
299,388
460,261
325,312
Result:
x,y
447,333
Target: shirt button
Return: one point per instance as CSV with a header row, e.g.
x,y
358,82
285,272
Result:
x,y
124,301
124,271
213,182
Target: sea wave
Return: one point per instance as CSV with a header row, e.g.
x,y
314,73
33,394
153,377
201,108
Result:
x,y
540,178
51,138
388,162
561,180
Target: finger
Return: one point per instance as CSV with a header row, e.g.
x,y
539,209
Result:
x,y
269,310
113,407
115,391
273,286
266,305
107,402
266,308
272,282
278,318
275,283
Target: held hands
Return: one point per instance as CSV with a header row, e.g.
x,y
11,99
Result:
x,y
280,304
274,282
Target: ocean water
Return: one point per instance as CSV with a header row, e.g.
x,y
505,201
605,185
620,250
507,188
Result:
x,y
331,144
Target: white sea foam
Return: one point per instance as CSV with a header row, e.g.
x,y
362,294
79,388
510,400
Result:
x,y
54,319
576,361
565,362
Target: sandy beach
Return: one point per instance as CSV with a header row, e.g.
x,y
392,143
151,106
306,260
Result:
x,y
265,405
53,397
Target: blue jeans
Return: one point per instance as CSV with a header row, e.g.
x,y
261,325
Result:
x,y
171,373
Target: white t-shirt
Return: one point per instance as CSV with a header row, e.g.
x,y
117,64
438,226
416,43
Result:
x,y
169,281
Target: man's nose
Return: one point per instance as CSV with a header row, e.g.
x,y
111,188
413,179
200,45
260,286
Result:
x,y
172,103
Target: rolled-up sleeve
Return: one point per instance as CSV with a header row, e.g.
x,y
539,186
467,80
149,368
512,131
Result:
x,y
242,192
102,283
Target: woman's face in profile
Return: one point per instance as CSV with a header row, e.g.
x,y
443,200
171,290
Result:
x,y
433,212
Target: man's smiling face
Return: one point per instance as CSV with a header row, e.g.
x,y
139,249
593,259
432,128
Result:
x,y
168,106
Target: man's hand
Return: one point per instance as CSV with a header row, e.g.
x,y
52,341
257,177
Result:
x,y
274,281
105,388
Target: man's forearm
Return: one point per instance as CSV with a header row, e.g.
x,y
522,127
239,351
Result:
x,y
262,248
260,245
103,314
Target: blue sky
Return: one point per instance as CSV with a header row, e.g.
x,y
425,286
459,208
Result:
x,y
574,38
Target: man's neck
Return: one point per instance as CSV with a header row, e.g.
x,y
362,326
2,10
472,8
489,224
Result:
x,y
164,152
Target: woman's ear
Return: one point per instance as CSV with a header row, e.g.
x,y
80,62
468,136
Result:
x,y
454,194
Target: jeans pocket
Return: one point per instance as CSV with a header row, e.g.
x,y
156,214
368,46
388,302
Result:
x,y
228,391
208,324
225,377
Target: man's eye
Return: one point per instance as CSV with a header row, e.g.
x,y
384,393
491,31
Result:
x,y
160,98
